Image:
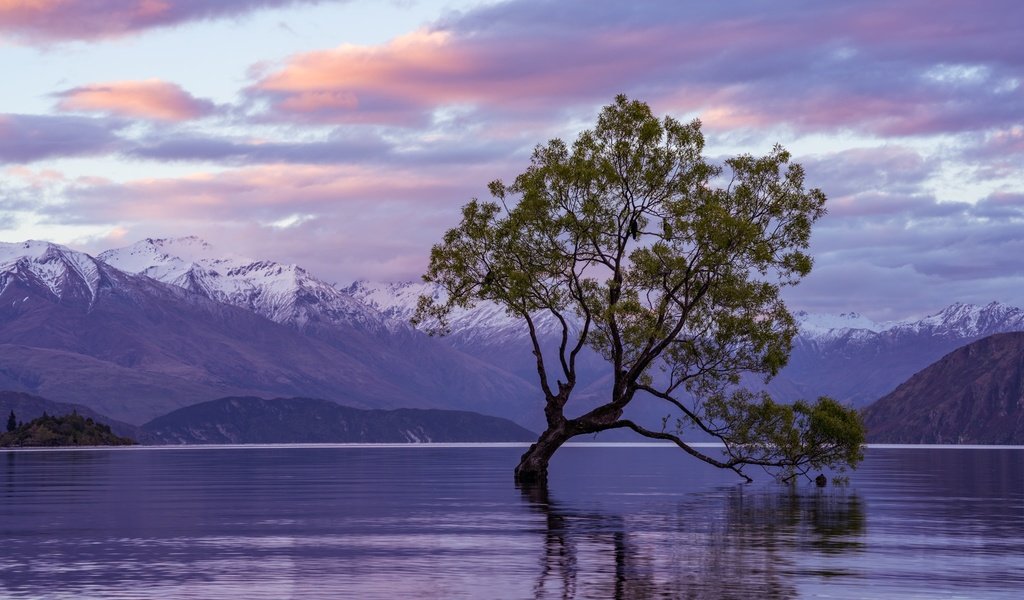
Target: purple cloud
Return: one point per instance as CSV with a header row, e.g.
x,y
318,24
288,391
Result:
x,y
28,138
996,154
892,169
43,21
340,147
899,255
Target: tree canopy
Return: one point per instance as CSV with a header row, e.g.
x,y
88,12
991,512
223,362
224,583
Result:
x,y
669,266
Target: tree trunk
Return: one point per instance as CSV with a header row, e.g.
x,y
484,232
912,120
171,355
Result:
x,y
533,466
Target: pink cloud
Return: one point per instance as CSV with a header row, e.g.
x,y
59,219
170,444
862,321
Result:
x,y
399,81
42,21
818,67
149,99
358,83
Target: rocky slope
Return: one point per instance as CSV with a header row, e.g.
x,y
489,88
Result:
x,y
248,420
973,395
436,373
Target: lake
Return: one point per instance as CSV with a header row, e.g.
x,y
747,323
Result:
x,y
447,522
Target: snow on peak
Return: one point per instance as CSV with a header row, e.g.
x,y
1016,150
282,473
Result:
x,y
820,323
166,259
61,269
10,252
956,320
394,300
484,320
283,293
967,320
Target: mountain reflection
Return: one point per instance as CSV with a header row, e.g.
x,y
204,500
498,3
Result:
x,y
739,542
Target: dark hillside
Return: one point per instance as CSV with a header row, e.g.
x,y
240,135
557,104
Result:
x,y
250,420
973,395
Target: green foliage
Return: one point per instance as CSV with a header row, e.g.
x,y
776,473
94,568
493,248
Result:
x,y
785,439
68,430
667,265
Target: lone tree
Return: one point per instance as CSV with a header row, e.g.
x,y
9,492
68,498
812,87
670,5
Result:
x,y
12,421
667,265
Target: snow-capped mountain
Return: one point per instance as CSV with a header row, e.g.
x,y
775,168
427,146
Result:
x,y
63,272
964,321
286,294
486,322
955,321
75,328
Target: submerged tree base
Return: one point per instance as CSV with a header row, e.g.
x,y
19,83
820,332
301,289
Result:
x,y
533,465
786,440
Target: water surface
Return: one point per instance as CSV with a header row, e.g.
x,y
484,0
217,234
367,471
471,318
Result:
x,y
447,522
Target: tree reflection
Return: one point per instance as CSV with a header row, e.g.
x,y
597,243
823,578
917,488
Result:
x,y
734,543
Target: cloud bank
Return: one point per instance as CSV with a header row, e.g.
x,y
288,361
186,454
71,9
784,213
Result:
x,y
908,115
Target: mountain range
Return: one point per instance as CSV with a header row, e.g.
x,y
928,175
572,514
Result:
x,y
139,331
74,328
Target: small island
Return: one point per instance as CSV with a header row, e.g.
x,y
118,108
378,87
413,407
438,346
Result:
x,y
53,431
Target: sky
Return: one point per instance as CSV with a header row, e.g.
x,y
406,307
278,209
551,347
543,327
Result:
x,y
344,136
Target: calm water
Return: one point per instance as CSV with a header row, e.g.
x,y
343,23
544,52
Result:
x,y
430,522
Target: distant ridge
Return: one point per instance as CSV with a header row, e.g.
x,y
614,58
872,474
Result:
x,y
973,395
249,420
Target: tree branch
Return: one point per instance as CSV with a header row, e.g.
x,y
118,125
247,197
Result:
x,y
541,371
661,435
